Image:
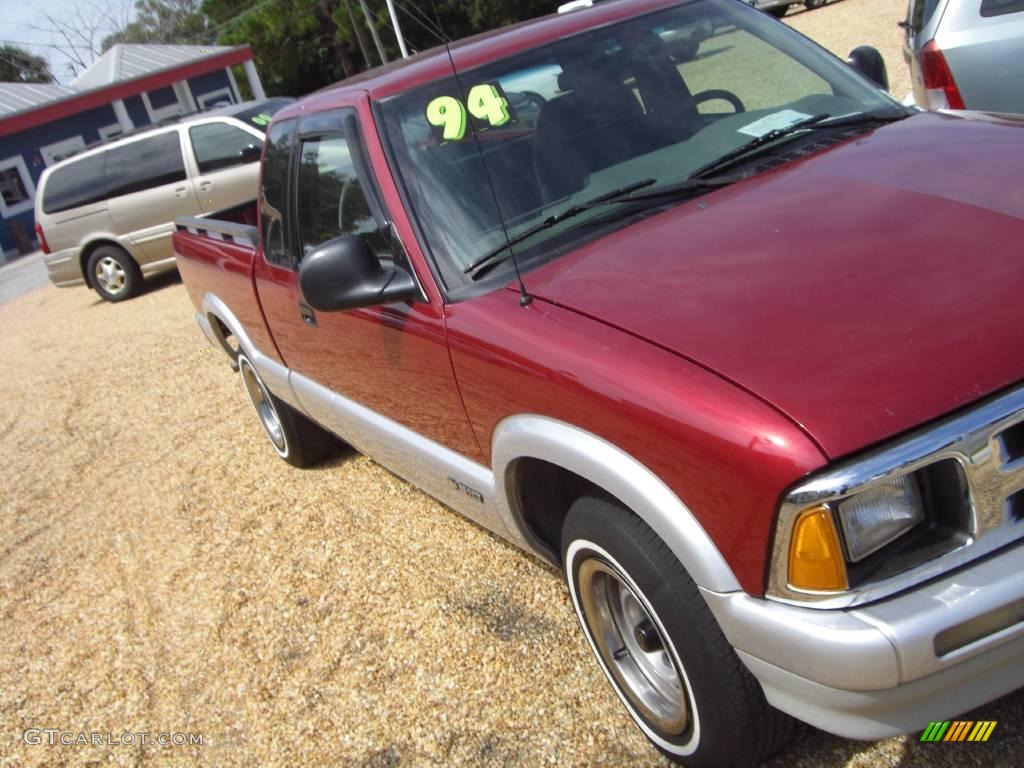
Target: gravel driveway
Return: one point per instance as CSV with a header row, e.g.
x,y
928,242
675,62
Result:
x,y
161,570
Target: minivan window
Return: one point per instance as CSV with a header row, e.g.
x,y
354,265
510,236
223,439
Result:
x,y
144,164
274,193
220,145
80,182
1000,7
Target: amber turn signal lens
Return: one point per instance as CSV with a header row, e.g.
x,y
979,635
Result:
x,y
815,556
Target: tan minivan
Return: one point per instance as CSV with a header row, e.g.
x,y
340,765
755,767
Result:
x,y
105,217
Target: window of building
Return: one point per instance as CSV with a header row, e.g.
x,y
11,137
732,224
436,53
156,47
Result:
x,y
16,187
216,98
61,150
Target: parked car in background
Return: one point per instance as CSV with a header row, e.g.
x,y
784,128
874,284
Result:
x,y
104,217
966,54
671,333
778,8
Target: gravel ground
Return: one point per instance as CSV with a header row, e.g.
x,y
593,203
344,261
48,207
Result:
x,y
161,570
842,26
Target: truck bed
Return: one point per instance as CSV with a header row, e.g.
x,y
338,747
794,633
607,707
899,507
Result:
x,y
215,256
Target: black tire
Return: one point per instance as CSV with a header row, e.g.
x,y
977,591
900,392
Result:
x,y
778,11
297,440
810,5
113,274
722,718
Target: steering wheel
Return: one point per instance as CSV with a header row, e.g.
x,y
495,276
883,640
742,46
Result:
x,y
674,125
715,94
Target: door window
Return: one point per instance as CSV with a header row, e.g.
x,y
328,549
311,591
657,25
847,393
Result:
x,y
330,198
144,164
274,194
220,145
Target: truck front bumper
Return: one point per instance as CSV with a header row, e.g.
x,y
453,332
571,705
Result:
x,y
890,667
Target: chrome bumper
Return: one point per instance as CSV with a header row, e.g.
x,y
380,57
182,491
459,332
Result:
x,y
893,666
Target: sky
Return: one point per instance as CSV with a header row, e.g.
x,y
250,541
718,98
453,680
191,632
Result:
x,y
20,15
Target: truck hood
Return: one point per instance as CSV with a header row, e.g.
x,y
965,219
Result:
x,y
862,291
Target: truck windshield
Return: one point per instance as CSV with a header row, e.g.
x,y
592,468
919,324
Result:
x,y
656,97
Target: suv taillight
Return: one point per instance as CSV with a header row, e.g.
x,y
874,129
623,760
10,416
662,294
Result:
x,y
43,245
938,80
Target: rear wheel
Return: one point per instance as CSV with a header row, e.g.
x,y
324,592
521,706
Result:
x,y
113,273
810,5
296,439
659,645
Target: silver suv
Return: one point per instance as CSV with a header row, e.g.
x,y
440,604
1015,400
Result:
x,y
105,217
966,54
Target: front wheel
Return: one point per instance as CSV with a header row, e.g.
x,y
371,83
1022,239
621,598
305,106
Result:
x,y
810,5
296,439
659,645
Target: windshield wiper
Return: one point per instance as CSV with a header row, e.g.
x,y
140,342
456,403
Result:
x,y
709,169
815,122
615,196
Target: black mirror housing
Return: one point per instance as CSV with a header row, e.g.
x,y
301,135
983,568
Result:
x,y
869,62
251,153
345,273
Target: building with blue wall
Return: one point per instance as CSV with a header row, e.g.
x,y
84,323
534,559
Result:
x,y
129,87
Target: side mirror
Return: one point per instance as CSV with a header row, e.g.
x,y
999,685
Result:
x,y
345,273
869,62
251,153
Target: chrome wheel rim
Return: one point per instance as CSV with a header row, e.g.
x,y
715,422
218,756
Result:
x,y
626,634
264,406
110,275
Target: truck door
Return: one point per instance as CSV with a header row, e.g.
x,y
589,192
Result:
x,y
393,358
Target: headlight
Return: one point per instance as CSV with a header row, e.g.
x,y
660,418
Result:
x,y
877,516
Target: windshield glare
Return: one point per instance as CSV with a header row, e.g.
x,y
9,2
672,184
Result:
x,y
656,96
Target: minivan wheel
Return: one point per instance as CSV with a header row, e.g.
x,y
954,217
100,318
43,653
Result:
x,y
658,643
113,273
296,439
810,5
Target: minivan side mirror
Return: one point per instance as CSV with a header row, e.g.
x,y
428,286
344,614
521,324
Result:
x,y
345,273
869,62
251,153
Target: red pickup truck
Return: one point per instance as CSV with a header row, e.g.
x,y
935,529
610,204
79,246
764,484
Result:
x,y
722,331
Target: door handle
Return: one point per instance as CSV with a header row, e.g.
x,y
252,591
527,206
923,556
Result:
x,y
307,313
205,185
181,191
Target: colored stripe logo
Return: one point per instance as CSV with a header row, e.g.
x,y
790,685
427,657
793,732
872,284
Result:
x,y
959,730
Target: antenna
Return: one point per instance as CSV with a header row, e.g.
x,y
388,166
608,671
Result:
x,y
525,299
435,29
